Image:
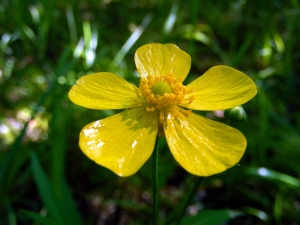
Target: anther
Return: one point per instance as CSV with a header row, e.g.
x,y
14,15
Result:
x,y
146,91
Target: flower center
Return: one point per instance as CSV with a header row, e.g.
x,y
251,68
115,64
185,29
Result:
x,y
160,88
163,91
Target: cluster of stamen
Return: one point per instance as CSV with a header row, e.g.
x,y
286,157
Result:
x,y
163,91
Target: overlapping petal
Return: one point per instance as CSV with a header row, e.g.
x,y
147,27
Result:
x,y
221,87
159,60
201,146
103,91
121,143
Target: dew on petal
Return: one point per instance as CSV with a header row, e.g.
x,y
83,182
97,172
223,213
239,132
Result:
x,y
96,124
120,162
134,144
100,144
91,142
89,132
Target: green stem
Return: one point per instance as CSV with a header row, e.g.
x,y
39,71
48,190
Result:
x,y
155,182
188,199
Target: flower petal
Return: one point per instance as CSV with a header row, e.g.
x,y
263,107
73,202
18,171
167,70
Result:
x,y
201,146
122,142
221,87
103,91
159,60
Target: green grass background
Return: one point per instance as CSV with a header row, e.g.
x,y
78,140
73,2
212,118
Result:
x,y
46,45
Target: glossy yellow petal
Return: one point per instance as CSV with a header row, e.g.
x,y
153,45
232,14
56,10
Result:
x,y
103,91
221,87
201,146
122,142
159,60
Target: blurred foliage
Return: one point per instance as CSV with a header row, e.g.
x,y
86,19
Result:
x,y
46,45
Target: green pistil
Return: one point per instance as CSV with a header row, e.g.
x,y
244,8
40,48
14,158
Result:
x,y
160,88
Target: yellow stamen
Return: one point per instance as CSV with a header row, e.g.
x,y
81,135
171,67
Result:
x,y
163,91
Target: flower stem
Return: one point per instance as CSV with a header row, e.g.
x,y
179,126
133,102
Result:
x,y
155,182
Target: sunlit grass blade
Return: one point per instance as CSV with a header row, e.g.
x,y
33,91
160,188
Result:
x,y
203,33
90,42
256,212
8,67
78,51
267,72
199,33
130,42
28,32
91,48
4,41
278,41
87,32
35,14
71,24
274,176
170,21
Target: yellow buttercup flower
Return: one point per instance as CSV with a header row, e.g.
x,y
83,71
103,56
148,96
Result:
x,y
162,105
